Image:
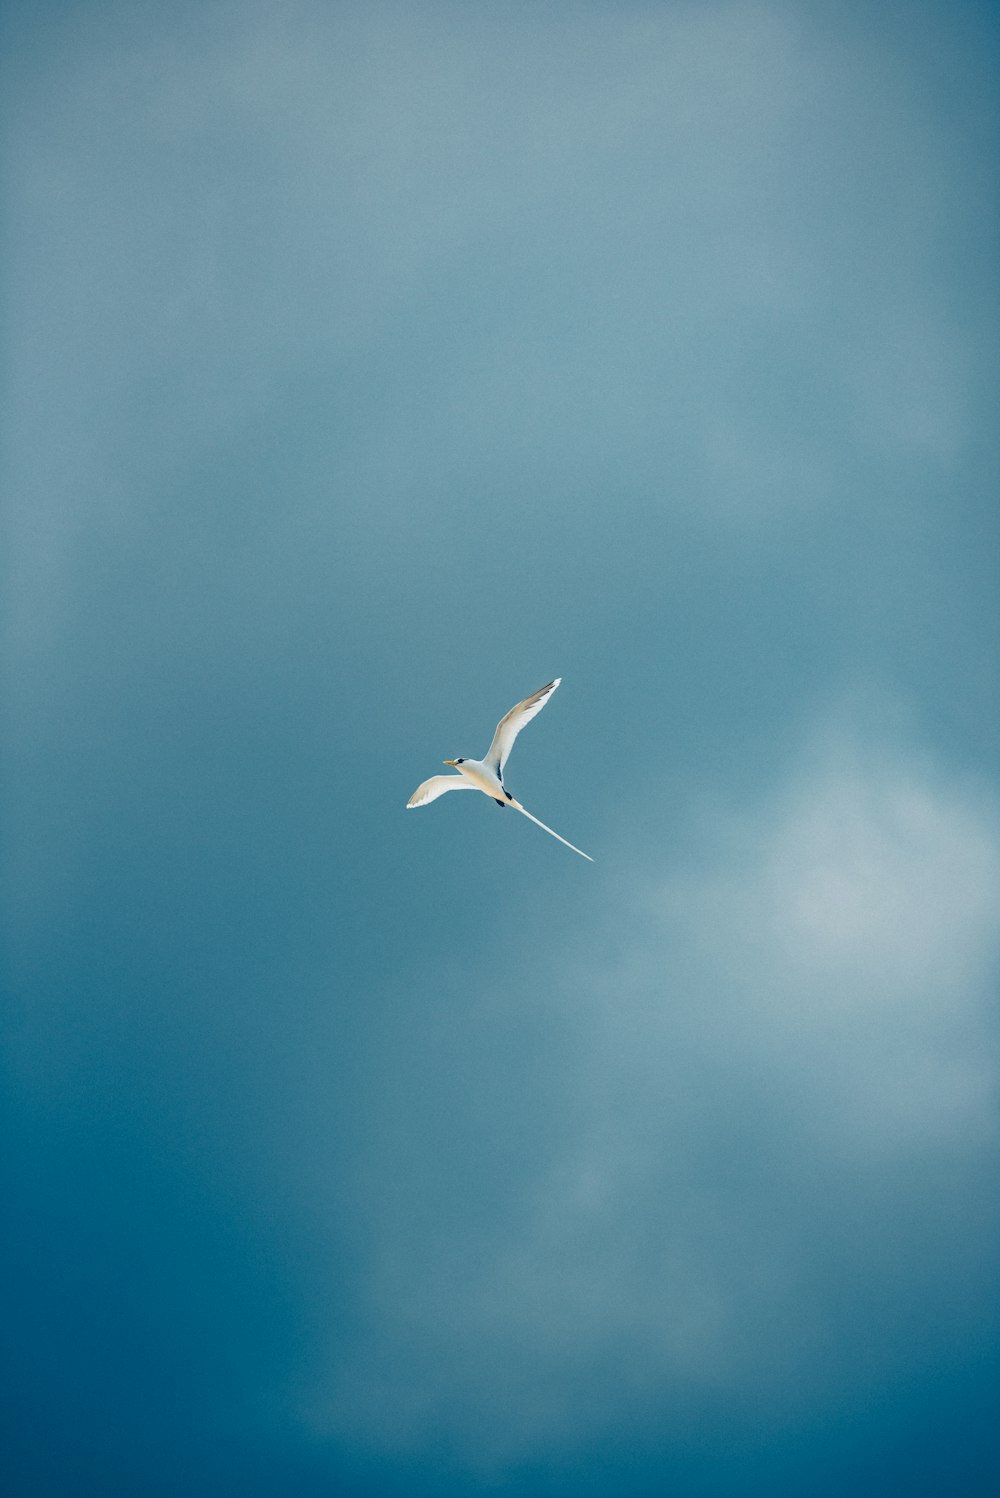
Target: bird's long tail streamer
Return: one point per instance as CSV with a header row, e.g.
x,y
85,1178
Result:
x,y
542,825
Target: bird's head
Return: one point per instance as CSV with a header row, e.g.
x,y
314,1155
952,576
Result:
x,y
454,762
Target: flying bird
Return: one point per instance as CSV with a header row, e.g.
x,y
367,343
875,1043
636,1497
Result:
x,y
486,774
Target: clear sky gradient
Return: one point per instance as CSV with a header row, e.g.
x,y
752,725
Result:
x,y
366,366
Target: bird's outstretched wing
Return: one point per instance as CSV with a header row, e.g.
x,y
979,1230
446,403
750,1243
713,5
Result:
x,y
526,813
511,723
436,786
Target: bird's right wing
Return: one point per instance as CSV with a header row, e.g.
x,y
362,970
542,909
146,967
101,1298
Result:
x,y
511,723
436,786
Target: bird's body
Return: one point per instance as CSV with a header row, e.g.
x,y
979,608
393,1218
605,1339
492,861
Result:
x,y
486,774
483,777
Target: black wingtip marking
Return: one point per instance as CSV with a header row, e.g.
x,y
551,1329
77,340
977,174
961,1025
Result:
x,y
501,804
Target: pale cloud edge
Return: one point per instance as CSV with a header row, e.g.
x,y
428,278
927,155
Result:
x,y
820,971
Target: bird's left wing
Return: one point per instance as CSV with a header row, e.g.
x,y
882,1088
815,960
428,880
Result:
x,y
436,786
511,723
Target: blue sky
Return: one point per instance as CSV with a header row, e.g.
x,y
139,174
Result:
x,y
367,366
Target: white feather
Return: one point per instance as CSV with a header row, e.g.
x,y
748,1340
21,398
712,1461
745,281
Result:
x,y
436,786
511,723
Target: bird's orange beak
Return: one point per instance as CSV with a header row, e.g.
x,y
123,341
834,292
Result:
x,y
448,762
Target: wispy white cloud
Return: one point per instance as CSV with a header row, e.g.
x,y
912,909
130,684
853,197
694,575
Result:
x,y
865,896
782,1096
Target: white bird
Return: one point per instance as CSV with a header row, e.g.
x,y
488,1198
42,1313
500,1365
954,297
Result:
x,y
486,774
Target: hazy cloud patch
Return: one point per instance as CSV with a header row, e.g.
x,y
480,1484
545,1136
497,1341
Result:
x,y
781,1103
